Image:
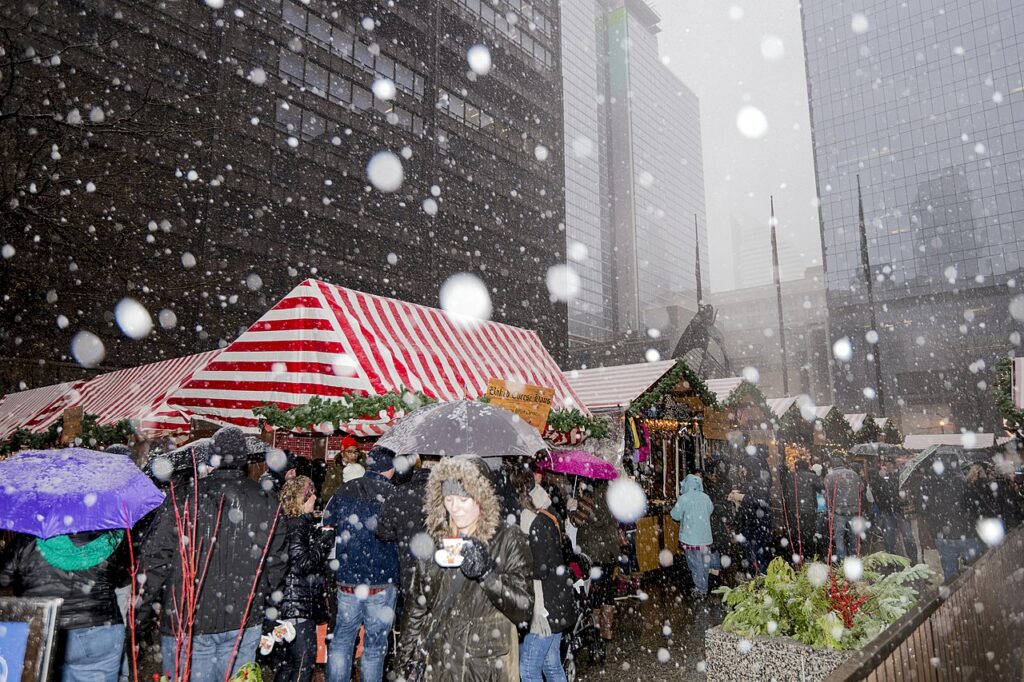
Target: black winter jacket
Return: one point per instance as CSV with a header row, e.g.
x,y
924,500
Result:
x,y
304,583
886,491
88,594
402,518
246,519
551,569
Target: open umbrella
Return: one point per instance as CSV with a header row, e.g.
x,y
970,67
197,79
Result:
x,y
950,453
878,450
198,451
463,427
58,492
578,463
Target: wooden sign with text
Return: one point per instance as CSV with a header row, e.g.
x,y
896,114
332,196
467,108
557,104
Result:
x,y
531,403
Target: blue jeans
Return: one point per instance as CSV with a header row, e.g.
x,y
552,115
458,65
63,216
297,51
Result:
x,y
93,654
210,654
540,659
840,529
952,551
895,526
699,561
376,614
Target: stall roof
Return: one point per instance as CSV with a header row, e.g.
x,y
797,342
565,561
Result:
x,y
134,393
329,341
603,388
779,406
967,441
856,421
25,408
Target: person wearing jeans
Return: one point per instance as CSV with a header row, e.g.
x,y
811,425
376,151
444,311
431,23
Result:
x,y
210,654
374,611
952,551
93,653
693,512
540,658
366,569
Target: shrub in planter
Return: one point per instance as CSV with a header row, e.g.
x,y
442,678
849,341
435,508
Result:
x,y
839,607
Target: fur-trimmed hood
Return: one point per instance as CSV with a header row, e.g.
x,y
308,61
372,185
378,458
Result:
x,y
472,473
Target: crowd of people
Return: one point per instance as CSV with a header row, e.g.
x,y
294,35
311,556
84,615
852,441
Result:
x,y
735,517
235,568
453,568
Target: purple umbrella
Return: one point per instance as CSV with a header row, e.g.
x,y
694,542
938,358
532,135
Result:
x,y
57,492
578,463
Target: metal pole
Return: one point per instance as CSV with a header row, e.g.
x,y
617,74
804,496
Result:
x,y
778,299
865,263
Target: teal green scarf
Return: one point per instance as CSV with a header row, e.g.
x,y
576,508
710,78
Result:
x,y
61,553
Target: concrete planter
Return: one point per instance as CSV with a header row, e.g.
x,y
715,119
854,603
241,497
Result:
x,y
731,658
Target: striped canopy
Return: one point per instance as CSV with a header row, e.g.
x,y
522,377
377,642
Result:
x,y
325,340
136,393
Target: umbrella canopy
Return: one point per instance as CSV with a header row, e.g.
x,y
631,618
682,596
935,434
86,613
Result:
x,y
878,450
463,427
58,492
948,452
578,463
181,458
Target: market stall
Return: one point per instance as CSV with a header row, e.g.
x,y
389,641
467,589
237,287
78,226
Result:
x,y
326,360
660,409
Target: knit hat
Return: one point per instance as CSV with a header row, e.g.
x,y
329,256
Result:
x,y
119,449
380,459
230,446
453,487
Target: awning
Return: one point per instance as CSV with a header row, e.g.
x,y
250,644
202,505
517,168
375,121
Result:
x,y
604,388
25,408
325,340
856,420
780,406
968,441
136,393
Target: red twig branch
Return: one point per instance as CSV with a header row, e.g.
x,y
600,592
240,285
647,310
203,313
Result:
x,y
133,572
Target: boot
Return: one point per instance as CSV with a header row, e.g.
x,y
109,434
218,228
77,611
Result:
x,y
597,651
607,622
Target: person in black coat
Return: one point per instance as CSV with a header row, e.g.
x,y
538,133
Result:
x,y
403,518
247,527
303,596
801,489
83,569
754,514
885,489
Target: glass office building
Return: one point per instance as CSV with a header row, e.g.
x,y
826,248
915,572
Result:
x,y
923,104
634,175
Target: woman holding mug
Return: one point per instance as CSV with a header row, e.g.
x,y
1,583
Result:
x,y
464,613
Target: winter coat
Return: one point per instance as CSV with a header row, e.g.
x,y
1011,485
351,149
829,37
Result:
x,y
717,488
478,638
693,510
247,515
598,534
943,502
362,557
303,589
544,531
843,488
754,516
88,593
402,518
886,491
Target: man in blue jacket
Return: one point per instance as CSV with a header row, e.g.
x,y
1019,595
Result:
x,y
365,568
693,512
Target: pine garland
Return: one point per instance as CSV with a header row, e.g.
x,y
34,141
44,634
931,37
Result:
x,y
749,395
93,435
1013,417
668,382
793,428
341,412
564,421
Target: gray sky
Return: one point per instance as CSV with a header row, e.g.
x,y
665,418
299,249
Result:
x,y
728,52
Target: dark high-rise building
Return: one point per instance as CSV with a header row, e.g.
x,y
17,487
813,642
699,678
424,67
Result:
x,y
923,104
204,158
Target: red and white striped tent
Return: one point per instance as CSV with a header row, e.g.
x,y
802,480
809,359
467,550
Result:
x,y
25,409
137,393
325,340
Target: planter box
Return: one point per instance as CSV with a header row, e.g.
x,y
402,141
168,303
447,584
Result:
x,y
731,658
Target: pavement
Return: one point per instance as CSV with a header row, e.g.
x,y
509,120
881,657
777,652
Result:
x,y
659,636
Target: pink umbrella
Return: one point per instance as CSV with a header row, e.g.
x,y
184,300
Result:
x,y
577,463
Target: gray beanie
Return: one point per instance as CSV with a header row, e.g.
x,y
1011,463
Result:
x,y
230,445
454,487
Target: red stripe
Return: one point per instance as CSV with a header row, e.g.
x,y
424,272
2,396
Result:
x,y
406,317
297,302
383,328
299,345
333,295
303,388
268,366
291,324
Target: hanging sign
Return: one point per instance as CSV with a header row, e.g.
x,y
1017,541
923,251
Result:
x,y
531,403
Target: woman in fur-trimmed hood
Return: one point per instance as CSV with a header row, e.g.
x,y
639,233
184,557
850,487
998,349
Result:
x,y
472,635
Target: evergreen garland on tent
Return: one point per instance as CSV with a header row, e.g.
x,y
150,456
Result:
x,y
1013,417
749,395
94,435
668,382
838,432
869,431
794,429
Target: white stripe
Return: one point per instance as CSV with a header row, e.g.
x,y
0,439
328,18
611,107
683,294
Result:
x,y
324,335
410,322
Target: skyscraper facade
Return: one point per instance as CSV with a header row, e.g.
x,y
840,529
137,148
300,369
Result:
x,y
203,161
917,112
633,156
